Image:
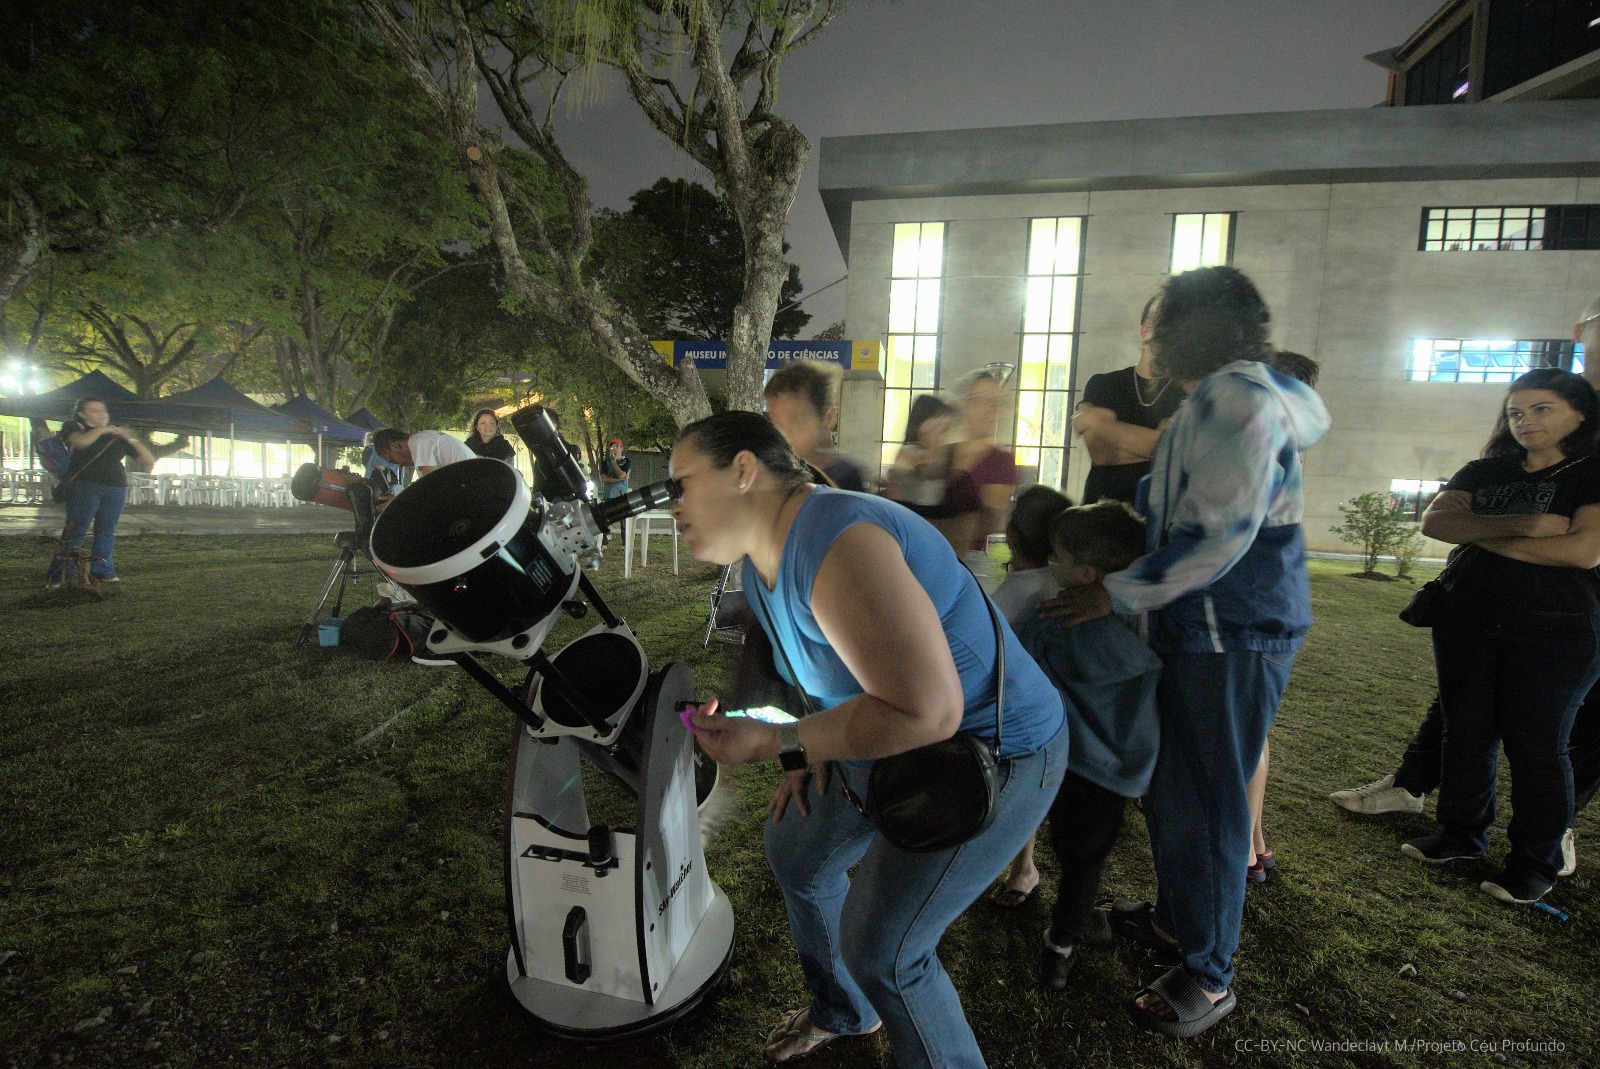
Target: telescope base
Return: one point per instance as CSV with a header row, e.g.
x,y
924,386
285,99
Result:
x,y
596,1018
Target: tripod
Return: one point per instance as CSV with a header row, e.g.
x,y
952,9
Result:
x,y
343,569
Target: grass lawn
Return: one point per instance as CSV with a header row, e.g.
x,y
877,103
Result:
x,y
201,863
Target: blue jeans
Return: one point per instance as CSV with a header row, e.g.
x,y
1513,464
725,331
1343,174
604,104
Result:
x,y
868,946
102,504
1215,712
1517,678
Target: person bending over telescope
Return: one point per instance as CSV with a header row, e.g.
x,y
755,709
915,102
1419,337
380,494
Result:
x,y
425,450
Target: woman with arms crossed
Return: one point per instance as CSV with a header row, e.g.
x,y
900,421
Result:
x,y
894,642
1517,649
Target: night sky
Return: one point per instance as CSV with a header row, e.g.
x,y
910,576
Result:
x,y
951,64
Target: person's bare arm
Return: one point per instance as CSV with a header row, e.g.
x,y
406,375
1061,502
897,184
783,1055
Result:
x,y
1110,441
1578,548
884,627
79,439
1450,519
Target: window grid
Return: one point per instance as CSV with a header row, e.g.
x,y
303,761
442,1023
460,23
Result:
x,y
1052,294
911,362
1202,240
1493,229
1482,360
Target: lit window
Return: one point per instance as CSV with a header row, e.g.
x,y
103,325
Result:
x,y
911,364
1049,343
1202,241
1411,497
1485,360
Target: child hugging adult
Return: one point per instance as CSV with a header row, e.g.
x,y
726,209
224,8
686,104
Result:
x,y
1107,677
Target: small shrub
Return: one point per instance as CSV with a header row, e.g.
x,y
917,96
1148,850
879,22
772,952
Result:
x,y
1406,553
1370,523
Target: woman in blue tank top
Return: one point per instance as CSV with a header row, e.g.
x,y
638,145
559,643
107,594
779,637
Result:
x,y
890,635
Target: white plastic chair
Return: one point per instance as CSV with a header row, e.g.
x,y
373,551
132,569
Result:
x,y
641,527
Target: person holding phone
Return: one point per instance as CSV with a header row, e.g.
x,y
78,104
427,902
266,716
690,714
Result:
x,y
876,619
97,483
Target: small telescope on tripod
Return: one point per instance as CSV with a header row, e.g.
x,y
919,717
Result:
x,y
613,931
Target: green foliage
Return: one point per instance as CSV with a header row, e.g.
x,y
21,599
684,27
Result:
x,y
1371,523
676,261
1406,552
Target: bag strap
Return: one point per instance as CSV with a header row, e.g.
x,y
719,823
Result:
x,y
66,480
999,665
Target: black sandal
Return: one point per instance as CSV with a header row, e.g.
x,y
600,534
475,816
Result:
x,y
1194,1010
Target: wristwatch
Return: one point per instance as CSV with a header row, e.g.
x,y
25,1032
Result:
x,y
791,755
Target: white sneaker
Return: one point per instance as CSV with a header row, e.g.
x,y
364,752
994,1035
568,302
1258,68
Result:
x,y
1380,796
1569,854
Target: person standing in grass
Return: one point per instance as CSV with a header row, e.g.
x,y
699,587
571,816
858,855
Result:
x,y
1225,585
1417,775
97,482
1517,648
1107,676
615,471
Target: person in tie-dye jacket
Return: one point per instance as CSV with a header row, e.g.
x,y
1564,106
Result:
x,y
1228,601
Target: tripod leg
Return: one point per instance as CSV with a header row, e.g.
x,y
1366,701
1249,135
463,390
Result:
x,y
335,576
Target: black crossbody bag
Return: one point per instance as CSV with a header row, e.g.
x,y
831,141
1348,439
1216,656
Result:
x,y
935,796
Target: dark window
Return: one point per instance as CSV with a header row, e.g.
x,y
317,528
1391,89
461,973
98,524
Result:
x,y
1572,226
1529,37
1440,76
1510,228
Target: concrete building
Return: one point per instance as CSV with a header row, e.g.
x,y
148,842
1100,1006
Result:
x,y
1424,255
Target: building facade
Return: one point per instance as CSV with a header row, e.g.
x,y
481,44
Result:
x,y
1424,255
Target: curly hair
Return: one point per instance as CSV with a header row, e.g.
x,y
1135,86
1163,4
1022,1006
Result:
x,y
1205,319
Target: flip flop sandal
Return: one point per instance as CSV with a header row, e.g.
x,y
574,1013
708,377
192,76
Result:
x,y
1004,897
1136,922
1185,998
795,1037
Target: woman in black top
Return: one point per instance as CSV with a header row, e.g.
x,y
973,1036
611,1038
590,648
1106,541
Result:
x,y
485,438
1518,648
97,482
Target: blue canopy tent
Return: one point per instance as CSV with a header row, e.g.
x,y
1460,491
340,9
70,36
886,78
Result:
x,y
323,423
363,417
218,404
57,404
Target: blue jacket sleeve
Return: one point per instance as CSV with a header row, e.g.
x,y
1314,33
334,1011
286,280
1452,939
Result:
x,y
1226,453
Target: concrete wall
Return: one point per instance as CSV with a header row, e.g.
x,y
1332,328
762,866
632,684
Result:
x,y
1338,265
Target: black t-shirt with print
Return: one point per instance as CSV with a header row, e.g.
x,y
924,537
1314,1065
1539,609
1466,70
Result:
x,y
1499,487
101,460
1139,404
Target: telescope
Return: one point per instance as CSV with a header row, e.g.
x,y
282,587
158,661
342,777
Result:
x,y
614,932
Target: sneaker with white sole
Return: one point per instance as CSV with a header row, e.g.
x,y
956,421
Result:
x,y
1380,796
1517,886
1569,854
1437,850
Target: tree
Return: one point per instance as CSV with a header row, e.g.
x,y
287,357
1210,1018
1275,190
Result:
x,y
832,332
675,260
716,106
217,164
1370,523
